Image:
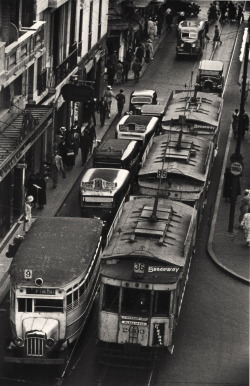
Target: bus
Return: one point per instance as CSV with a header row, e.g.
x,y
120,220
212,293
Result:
x,y
54,279
144,272
102,191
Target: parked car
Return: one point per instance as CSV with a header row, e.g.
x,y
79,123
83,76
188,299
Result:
x,y
189,7
210,76
139,98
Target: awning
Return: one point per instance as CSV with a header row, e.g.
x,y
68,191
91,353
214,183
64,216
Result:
x,y
139,3
123,25
19,135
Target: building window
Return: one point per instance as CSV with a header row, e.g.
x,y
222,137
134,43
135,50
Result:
x,y
90,24
100,20
28,15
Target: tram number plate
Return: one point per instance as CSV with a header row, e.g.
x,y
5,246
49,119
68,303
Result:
x,y
139,268
162,173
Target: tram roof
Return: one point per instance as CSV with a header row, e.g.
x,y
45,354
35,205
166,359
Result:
x,y
191,160
58,250
166,240
204,109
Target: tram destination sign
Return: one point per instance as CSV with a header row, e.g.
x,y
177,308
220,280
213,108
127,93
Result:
x,y
40,291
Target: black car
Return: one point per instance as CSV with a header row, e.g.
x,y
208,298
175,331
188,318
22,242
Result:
x,y
189,7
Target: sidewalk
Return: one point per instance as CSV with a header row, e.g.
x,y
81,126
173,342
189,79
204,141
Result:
x,y
227,250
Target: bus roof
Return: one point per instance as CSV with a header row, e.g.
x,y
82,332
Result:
x,y
118,149
114,179
190,160
166,239
136,126
57,250
200,114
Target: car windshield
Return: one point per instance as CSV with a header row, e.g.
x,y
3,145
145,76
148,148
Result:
x,y
141,100
210,73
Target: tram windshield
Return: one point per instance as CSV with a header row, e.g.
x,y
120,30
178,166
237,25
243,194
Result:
x,y
136,302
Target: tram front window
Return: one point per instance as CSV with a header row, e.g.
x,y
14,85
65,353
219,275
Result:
x,y
161,303
135,301
110,298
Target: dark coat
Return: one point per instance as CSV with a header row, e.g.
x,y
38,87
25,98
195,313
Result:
x,y
41,193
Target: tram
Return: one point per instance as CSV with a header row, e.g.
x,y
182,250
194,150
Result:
x,y
196,113
178,167
144,272
54,278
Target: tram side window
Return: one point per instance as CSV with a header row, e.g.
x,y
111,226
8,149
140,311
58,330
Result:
x,y
24,305
110,298
161,303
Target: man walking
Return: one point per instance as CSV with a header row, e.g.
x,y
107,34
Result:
x,y
216,35
102,109
120,97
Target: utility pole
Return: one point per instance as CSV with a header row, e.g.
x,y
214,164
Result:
x,y
236,167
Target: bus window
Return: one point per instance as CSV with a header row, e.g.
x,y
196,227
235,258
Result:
x,y
75,296
82,289
134,301
48,305
161,303
24,305
111,298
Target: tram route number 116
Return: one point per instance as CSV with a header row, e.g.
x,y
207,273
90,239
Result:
x,y
139,268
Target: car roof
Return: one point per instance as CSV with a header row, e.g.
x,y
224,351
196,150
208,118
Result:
x,y
143,93
213,65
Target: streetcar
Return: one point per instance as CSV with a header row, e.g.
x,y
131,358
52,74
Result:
x,y
178,167
140,128
102,192
54,279
196,113
144,272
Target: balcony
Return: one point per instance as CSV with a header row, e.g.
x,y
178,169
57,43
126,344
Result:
x,y
66,67
18,54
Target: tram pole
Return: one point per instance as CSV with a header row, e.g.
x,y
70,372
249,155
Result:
x,y
236,167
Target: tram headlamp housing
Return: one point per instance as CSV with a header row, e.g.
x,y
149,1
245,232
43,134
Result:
x,y
50,343
19,342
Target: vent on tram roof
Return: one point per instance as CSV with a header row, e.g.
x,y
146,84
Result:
x,y
182,152
158,229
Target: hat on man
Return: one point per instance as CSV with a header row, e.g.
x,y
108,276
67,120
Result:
x,y
29,199
109,87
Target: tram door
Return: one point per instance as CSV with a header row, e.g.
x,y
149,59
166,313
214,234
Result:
x,y
133,334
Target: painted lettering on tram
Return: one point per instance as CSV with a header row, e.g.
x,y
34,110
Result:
x,y
163,269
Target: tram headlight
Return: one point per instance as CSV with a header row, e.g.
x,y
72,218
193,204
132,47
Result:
x,y
50,342
19,342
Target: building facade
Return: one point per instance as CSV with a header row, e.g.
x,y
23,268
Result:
x,y
44,45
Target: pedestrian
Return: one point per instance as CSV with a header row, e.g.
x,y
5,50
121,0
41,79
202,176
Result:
x,y
114,58
169,20
139,53
245,223
227,186
240,14
126,68
206,29
245,204
148,51
89,109
129,56
40,185
56,167
108,95
70,154
102,109
92,134
84,145
31,190
62,150
235,122
136,68
119,72
120,97
181,17
28,209
246,88
245,124
216,37
111,73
